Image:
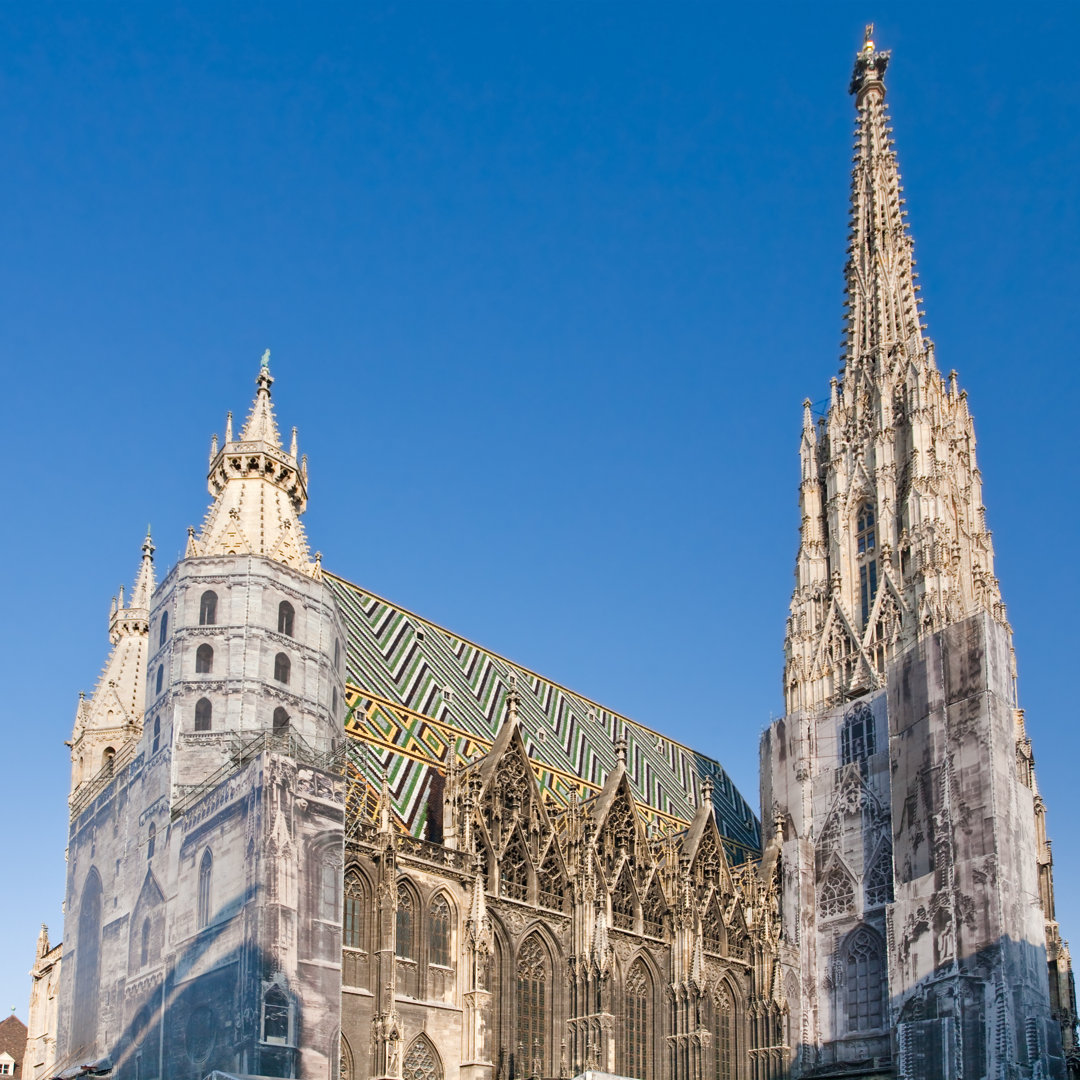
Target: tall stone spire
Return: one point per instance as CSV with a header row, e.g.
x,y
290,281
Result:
x,y
259,489
880,293
112,716
893,536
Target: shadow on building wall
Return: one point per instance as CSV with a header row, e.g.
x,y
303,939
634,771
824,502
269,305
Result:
x,y
980,1015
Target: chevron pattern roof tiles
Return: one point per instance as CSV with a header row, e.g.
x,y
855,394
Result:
x,y
417,693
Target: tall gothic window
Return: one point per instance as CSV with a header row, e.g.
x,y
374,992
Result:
x,y
84,1020
281,721
160,682
208,608
282,668
151,841
652,910
549,882
622,905
725,1035
163,636
157,735
422,1061
144,944
866,546
405,923
857,736
285,615
204,660
353,927
837,895
712,928
206,873
638,1028
439,932
864,984
514,871
878,883
532,1004
204,712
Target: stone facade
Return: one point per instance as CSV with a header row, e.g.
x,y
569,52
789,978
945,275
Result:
x,y
918,893
205,856
314,834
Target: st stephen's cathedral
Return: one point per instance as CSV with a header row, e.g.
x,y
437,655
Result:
x,y
313,834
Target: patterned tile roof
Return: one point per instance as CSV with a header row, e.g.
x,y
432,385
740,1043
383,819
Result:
x,y
415,690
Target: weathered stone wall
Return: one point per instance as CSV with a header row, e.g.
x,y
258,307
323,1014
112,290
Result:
x,y
204,880
920,780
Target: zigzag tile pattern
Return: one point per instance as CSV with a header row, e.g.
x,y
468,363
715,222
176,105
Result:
x,y
417,693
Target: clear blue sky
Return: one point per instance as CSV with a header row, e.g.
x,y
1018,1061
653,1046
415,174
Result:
x,y
545,286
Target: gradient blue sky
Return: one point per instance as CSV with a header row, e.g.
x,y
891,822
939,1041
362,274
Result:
x,y
545,286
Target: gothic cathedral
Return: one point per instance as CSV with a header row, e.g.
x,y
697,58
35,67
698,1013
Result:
x,y
314,834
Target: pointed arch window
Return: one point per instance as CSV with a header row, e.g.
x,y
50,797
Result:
x,y
622,905
276,1017
281,721
157,735
712,929
285,616
725,1035
163,634
550,883
638,1028
206,874
879,884
282,668
866,547
204,714
208,608
439,932
531,1005
159,682
108,759
151,841
144,943
864,985
353,927
84,1021
406,921
652,911
422,1061
858,740
514,871
837,896
204,660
